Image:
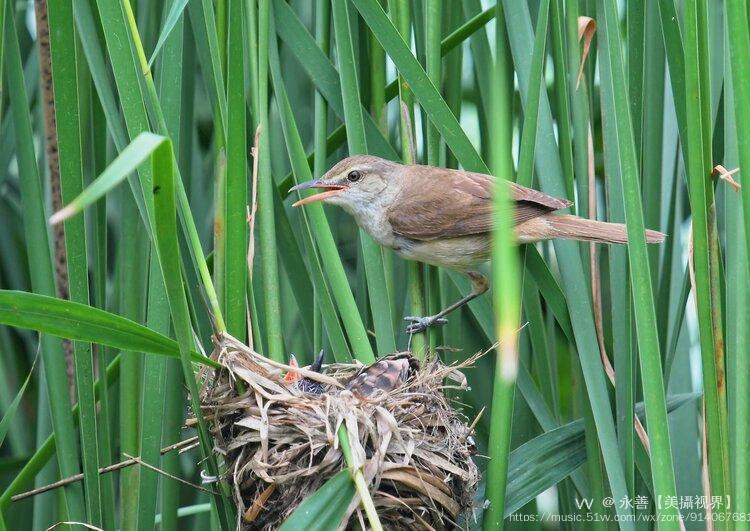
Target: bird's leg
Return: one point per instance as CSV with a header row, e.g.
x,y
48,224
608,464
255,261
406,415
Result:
x,y
479,284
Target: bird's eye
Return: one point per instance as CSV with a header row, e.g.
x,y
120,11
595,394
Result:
x,y
354,176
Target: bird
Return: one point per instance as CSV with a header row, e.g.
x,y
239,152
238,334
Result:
x,y
385,375
444,217
306,385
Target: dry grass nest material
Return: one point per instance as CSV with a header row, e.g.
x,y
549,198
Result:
x,y
280,444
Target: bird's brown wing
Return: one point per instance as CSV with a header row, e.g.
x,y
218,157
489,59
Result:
x,y
442,203
384,375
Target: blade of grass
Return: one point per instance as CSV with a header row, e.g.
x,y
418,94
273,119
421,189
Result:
x,y
640,276
562,92
622,322
266,223
170,23
327,80
355,132
355,469
40,264
698,164
80,322
552,182
10,411
505,272
46,450
131,276
315,222
323,40
235,200
738,33
675,54
162,400
207,44
126,77
152,400
325,508
166,243
129,159
737,314
481,55
68,133
399,12
414,74
433,63
653,127
294,34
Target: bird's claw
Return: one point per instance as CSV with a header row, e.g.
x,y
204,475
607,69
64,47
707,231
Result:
x,y
420,324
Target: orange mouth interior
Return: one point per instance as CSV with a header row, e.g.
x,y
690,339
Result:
x,y
319,197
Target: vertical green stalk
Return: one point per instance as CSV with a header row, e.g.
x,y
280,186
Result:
x,y
152,400
132,278
235,199
648,341
531,116
221,37
738,365
379,113
173,81
433,33
125,67
255,336
453,79
3,15
68,137
355,133
701,200
399,13
505,272
40,265
98,162
266,222
323,40
315,222
562,92
252,60
635,17
162,384
653,128
165,217
126,58
433,62
377,80
621,309
738,33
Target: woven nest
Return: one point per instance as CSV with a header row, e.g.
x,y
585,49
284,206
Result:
x,y
279,440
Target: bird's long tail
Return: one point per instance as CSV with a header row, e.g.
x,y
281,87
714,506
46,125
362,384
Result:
x,y
575,228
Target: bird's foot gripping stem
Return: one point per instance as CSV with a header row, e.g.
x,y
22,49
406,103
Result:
x,y
420,324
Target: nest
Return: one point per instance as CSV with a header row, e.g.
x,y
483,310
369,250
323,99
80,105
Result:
x,y
279,441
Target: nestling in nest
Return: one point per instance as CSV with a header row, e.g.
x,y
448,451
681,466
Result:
x,y
279,437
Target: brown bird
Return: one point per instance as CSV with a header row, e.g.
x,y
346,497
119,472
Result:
x,y
306,385
444,217
384,375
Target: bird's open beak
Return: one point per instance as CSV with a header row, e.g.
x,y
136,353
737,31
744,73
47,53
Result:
x,y
331,190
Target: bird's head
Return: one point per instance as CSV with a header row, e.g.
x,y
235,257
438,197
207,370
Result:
x,y
353,182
